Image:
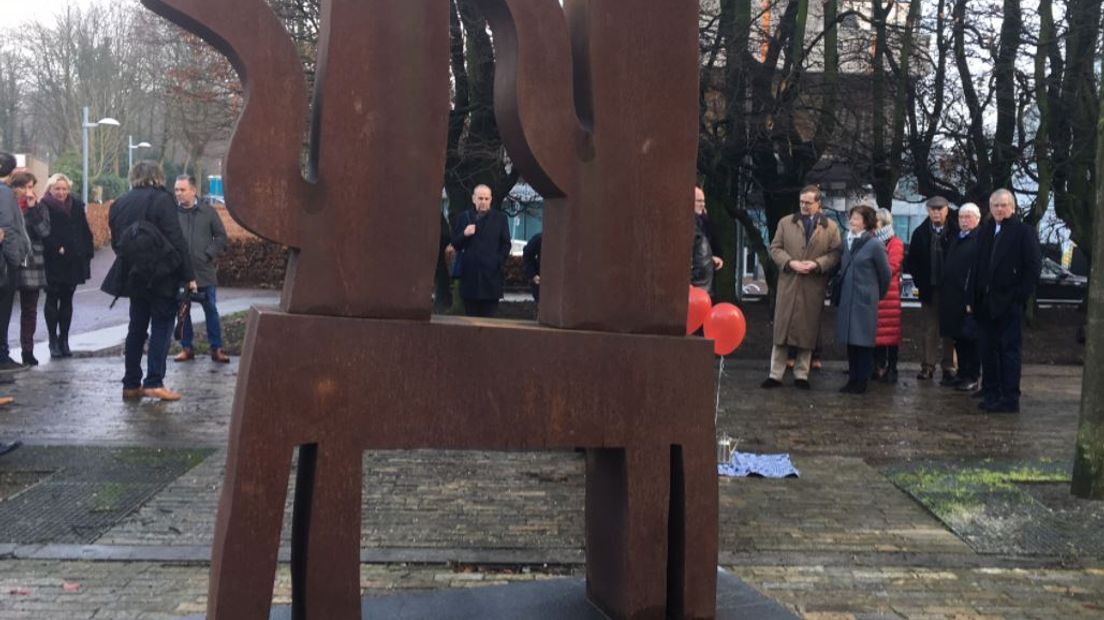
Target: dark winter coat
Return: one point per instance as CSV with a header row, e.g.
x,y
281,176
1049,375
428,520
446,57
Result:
x,y
889,308
32,275
16,245
918,262
530,260
206,238
865,273
957,272
1007,269
159,207
69,231
483,254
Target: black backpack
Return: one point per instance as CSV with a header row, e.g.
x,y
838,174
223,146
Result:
x,y
145,258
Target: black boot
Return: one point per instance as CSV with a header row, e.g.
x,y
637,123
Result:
x,y
63,344
29,358
55,348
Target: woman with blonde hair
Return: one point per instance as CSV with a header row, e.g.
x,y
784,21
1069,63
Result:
x,y
68,259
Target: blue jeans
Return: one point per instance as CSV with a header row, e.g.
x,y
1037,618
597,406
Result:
x,y
156,315
210,313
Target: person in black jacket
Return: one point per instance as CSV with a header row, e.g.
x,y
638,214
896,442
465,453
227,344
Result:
x,y
706,258
152,307
530,259
954,322
68,253
482,237
927,252
1008,265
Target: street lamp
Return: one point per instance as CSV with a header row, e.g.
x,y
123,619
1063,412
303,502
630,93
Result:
x,y
130,150
85,126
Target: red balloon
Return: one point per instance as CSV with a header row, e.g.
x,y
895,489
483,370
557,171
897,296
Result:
x,y
726,327
700,303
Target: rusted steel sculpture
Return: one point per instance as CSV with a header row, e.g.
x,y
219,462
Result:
x,y
597,103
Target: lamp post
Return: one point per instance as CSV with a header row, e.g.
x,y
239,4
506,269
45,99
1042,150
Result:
x,y
130,151
85,126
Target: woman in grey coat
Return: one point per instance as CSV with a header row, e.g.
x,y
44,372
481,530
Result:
x,y
863,279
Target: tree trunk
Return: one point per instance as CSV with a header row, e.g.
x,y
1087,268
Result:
x,y
1088,460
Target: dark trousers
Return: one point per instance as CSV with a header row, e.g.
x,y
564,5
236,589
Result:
x,y
156,315
860,363
969,360
886,357
59,310
1001,356
7,298
480,307
28,318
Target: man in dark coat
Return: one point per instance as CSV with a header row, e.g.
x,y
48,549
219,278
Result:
x,y
1008,267
926,255
530,260
482,237
954,322
14,249
152,307
206,238
706,258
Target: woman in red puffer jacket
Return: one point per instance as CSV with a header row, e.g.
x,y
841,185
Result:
x,y
889,308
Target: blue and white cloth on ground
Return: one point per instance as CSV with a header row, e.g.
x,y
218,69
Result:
x,y
745,464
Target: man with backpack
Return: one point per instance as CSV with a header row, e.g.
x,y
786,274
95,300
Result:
x,y
151,261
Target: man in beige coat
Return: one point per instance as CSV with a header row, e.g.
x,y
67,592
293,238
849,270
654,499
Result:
x,y
806,249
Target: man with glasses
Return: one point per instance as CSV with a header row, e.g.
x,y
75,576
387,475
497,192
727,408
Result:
x,y
806,249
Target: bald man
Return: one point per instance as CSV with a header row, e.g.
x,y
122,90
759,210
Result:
x,y
482,237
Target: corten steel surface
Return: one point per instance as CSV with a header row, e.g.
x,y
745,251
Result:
x,y
597,105
601,118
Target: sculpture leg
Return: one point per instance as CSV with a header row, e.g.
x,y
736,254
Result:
x,y
627,499
251,510
695,479
325,562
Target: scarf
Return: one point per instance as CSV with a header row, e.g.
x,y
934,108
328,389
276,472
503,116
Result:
x,y
852,237
884,234
65,207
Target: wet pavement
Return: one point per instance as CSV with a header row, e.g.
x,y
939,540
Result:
x,y
842,541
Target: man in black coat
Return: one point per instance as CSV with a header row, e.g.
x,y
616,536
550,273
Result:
x,y
926,254
530,260
153,306
1008,266
482,237
954,321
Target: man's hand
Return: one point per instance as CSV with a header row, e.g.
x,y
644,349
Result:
x,y
718,262
536,280
450,252
1,235
61,249
469,230
193,286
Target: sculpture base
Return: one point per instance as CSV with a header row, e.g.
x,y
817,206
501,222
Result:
x,y
554,599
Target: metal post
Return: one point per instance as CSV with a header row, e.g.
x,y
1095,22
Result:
x,y
84,159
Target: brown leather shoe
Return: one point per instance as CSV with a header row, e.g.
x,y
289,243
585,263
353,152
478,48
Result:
x,y
133,393
186,355
218,356
162,393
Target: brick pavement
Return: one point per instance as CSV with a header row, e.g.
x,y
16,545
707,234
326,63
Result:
x,y
840,542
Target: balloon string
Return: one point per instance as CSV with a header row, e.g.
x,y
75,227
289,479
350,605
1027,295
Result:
x,y
717,402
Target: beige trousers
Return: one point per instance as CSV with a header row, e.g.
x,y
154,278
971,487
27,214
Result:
x,y
779,356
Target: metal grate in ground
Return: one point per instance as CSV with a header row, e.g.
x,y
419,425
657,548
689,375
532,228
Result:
x,y
1007,507
88,491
